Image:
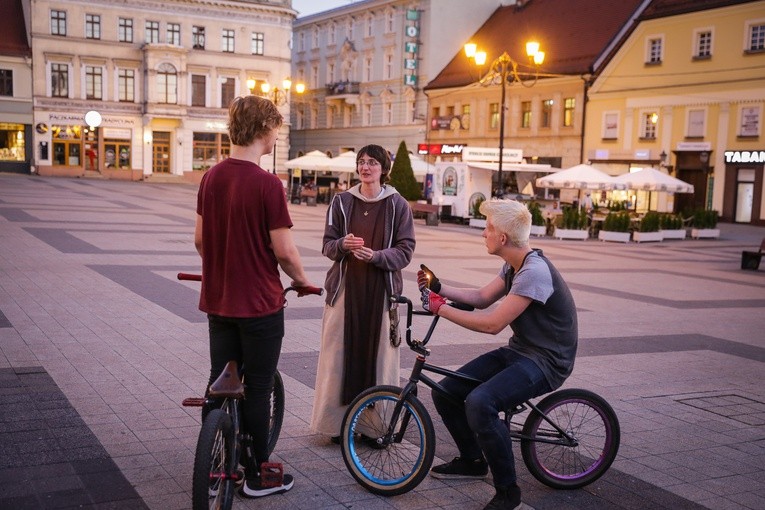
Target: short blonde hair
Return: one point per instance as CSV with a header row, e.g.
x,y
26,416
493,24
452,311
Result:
x,y
250,118
510,217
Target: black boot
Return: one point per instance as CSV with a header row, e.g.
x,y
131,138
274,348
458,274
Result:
x,y
507,498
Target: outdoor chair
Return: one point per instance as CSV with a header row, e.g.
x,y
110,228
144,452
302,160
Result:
x,y
751,259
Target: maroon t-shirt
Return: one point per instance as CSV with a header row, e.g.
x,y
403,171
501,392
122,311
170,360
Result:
x,y
240,203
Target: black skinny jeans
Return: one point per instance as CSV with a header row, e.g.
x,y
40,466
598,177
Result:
x,y
255,344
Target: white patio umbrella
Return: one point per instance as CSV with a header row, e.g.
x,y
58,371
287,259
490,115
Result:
x,y
651,179
345,162
580,177
420,167
310,161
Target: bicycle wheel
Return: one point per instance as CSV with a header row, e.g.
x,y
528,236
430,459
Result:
x,y
592,423
277,412
399,465
214,463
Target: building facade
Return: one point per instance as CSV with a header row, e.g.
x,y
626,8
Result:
x,y
157,77
365,66
15,89
686,91
545,106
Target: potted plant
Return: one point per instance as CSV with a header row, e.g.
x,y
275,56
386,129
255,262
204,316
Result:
x,y
705,224
671,226
572,224
478,220
649,228
616,227
538,224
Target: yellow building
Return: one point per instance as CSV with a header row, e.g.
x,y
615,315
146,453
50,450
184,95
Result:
x,y
685,91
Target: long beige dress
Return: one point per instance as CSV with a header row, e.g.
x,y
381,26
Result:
x,y
328,412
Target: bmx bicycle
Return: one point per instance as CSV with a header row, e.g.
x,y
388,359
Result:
x,y
222,442
568,440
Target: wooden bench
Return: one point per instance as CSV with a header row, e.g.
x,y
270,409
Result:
x,y
309,195
430,211
751,259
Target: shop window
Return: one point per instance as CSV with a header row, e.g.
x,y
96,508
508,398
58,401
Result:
x,y
210,149
6,82
117,154
125,30
12,142
67,145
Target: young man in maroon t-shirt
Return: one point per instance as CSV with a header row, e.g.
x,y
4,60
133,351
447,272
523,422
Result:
x,y
243,235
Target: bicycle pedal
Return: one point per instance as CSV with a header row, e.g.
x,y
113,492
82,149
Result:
x,y
271,474
193,402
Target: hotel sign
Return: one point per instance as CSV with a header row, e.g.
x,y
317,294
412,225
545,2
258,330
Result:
x,y
411,47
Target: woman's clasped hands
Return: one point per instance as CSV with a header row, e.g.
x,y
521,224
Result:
x,y
355,245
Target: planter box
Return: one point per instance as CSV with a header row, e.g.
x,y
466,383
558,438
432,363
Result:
x,y
562,233
477,223
673,234
646,237
538,230
617,237
706,233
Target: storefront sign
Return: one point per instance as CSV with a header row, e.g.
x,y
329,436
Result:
x,y
744,156
694,146
437,149
491,155
117,133
412,32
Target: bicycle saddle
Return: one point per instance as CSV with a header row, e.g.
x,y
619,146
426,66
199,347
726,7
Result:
x,y
228,384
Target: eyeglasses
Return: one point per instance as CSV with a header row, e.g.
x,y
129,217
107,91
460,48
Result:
x,y
368,162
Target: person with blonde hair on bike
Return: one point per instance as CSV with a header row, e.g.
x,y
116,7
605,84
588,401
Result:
x,y
537,304
243,236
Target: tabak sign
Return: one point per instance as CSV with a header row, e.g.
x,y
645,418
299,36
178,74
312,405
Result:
x,y
744,156
438,149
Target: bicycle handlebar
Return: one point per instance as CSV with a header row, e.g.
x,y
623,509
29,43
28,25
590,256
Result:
x,y
301,291
418,346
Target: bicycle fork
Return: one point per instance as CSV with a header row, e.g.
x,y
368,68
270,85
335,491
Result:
x,y
410,389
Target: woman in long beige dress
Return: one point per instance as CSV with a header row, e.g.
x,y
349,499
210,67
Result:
x,y
370,237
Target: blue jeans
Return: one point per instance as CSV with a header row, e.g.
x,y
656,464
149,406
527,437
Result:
x,y
511,379
255,344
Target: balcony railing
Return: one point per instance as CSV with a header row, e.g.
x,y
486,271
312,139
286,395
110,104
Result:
x,y
342,88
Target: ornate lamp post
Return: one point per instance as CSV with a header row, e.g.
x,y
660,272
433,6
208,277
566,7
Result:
x,y
279,96
504,71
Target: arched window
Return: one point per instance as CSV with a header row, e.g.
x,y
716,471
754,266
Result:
x,y
167,84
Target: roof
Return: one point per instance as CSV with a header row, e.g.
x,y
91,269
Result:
x,y
664,8
572,35
14,41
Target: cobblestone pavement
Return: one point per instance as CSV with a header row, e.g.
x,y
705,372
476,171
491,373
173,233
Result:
x,y
99,344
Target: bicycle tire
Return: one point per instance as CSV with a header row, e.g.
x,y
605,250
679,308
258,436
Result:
x,y
594,425
394,468
214,463
277,412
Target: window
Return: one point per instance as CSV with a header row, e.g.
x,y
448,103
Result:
x,y
568,111
331,34
331,72
315,37
198,90
167,84
227,43
300,117
547,107
749,121
330,117
59,80
94,81
92,26
369,24
649,121
388,69
125,31
465,116
174,34
494,115
227,91
610,125
703,44
198,38
314,77
757,37
388,113
126,80
368,69
314,121
525,114
12,142
152,31
6,82
366,114
695,123
654,50
257,43
390,21
57,22
301,41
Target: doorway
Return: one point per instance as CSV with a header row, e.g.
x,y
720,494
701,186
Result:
x,y
686,203
160,153
744,195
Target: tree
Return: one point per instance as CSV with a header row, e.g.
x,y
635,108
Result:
x,y
402,176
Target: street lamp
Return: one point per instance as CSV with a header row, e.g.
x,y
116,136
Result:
x,y
504,71
279,96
